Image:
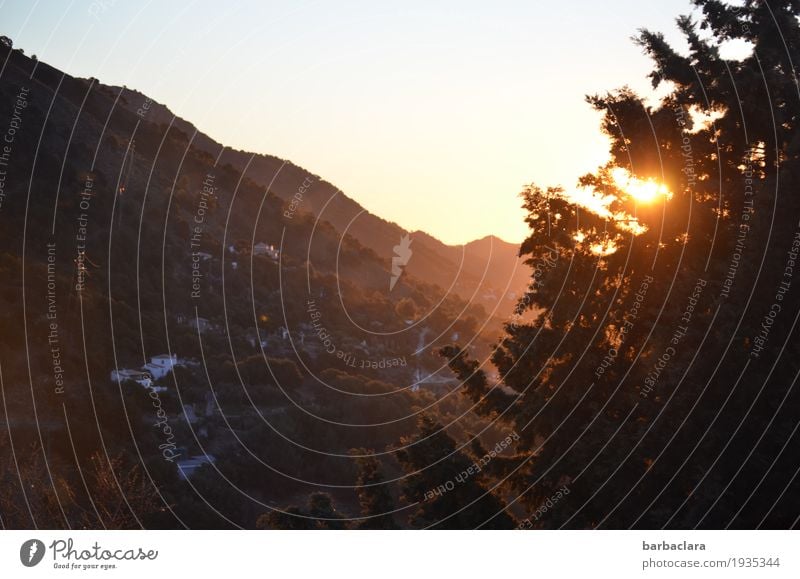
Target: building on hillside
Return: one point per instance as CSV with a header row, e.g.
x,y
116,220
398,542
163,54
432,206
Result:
x,y
269,250
196,322
142,378
188,466
161,365
203,325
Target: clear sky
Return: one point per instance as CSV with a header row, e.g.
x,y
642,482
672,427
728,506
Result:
x,y
431,114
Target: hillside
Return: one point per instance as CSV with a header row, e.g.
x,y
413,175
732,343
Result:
x,y
475,271
127,239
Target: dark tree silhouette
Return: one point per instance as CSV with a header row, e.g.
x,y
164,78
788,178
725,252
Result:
x,y
373,495
640,319
445,484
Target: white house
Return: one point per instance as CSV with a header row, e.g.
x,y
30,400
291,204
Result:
x,y
202,325
269,250
142,378
187,466
196,322
158,367
161,365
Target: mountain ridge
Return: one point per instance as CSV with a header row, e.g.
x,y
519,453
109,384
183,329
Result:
x,y
469,269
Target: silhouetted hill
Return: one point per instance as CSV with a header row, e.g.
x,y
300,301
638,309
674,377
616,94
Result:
x,y
484,270
125,235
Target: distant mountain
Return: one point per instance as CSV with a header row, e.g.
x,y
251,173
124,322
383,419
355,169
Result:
x,y
126,235
116,186
487,271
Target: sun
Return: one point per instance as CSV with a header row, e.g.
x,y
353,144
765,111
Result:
x,y
640,190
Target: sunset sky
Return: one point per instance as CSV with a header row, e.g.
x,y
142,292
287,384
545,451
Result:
x,y
430,114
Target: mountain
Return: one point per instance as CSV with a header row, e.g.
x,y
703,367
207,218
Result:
x,y
483,271
127,237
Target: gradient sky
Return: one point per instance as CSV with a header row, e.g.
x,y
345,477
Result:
x,y
430,114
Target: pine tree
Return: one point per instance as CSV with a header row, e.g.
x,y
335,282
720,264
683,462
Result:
x,y
579,363
373,495
444,484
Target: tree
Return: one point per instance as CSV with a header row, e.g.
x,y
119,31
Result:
x,y
580,363
121,498
373,495
406,309
321,514
292,519
321,507
118,496
444,482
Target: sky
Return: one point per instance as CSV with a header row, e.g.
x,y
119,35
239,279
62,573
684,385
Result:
x,y
431,114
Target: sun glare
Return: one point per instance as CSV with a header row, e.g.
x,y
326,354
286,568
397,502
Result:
x,y
640,190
